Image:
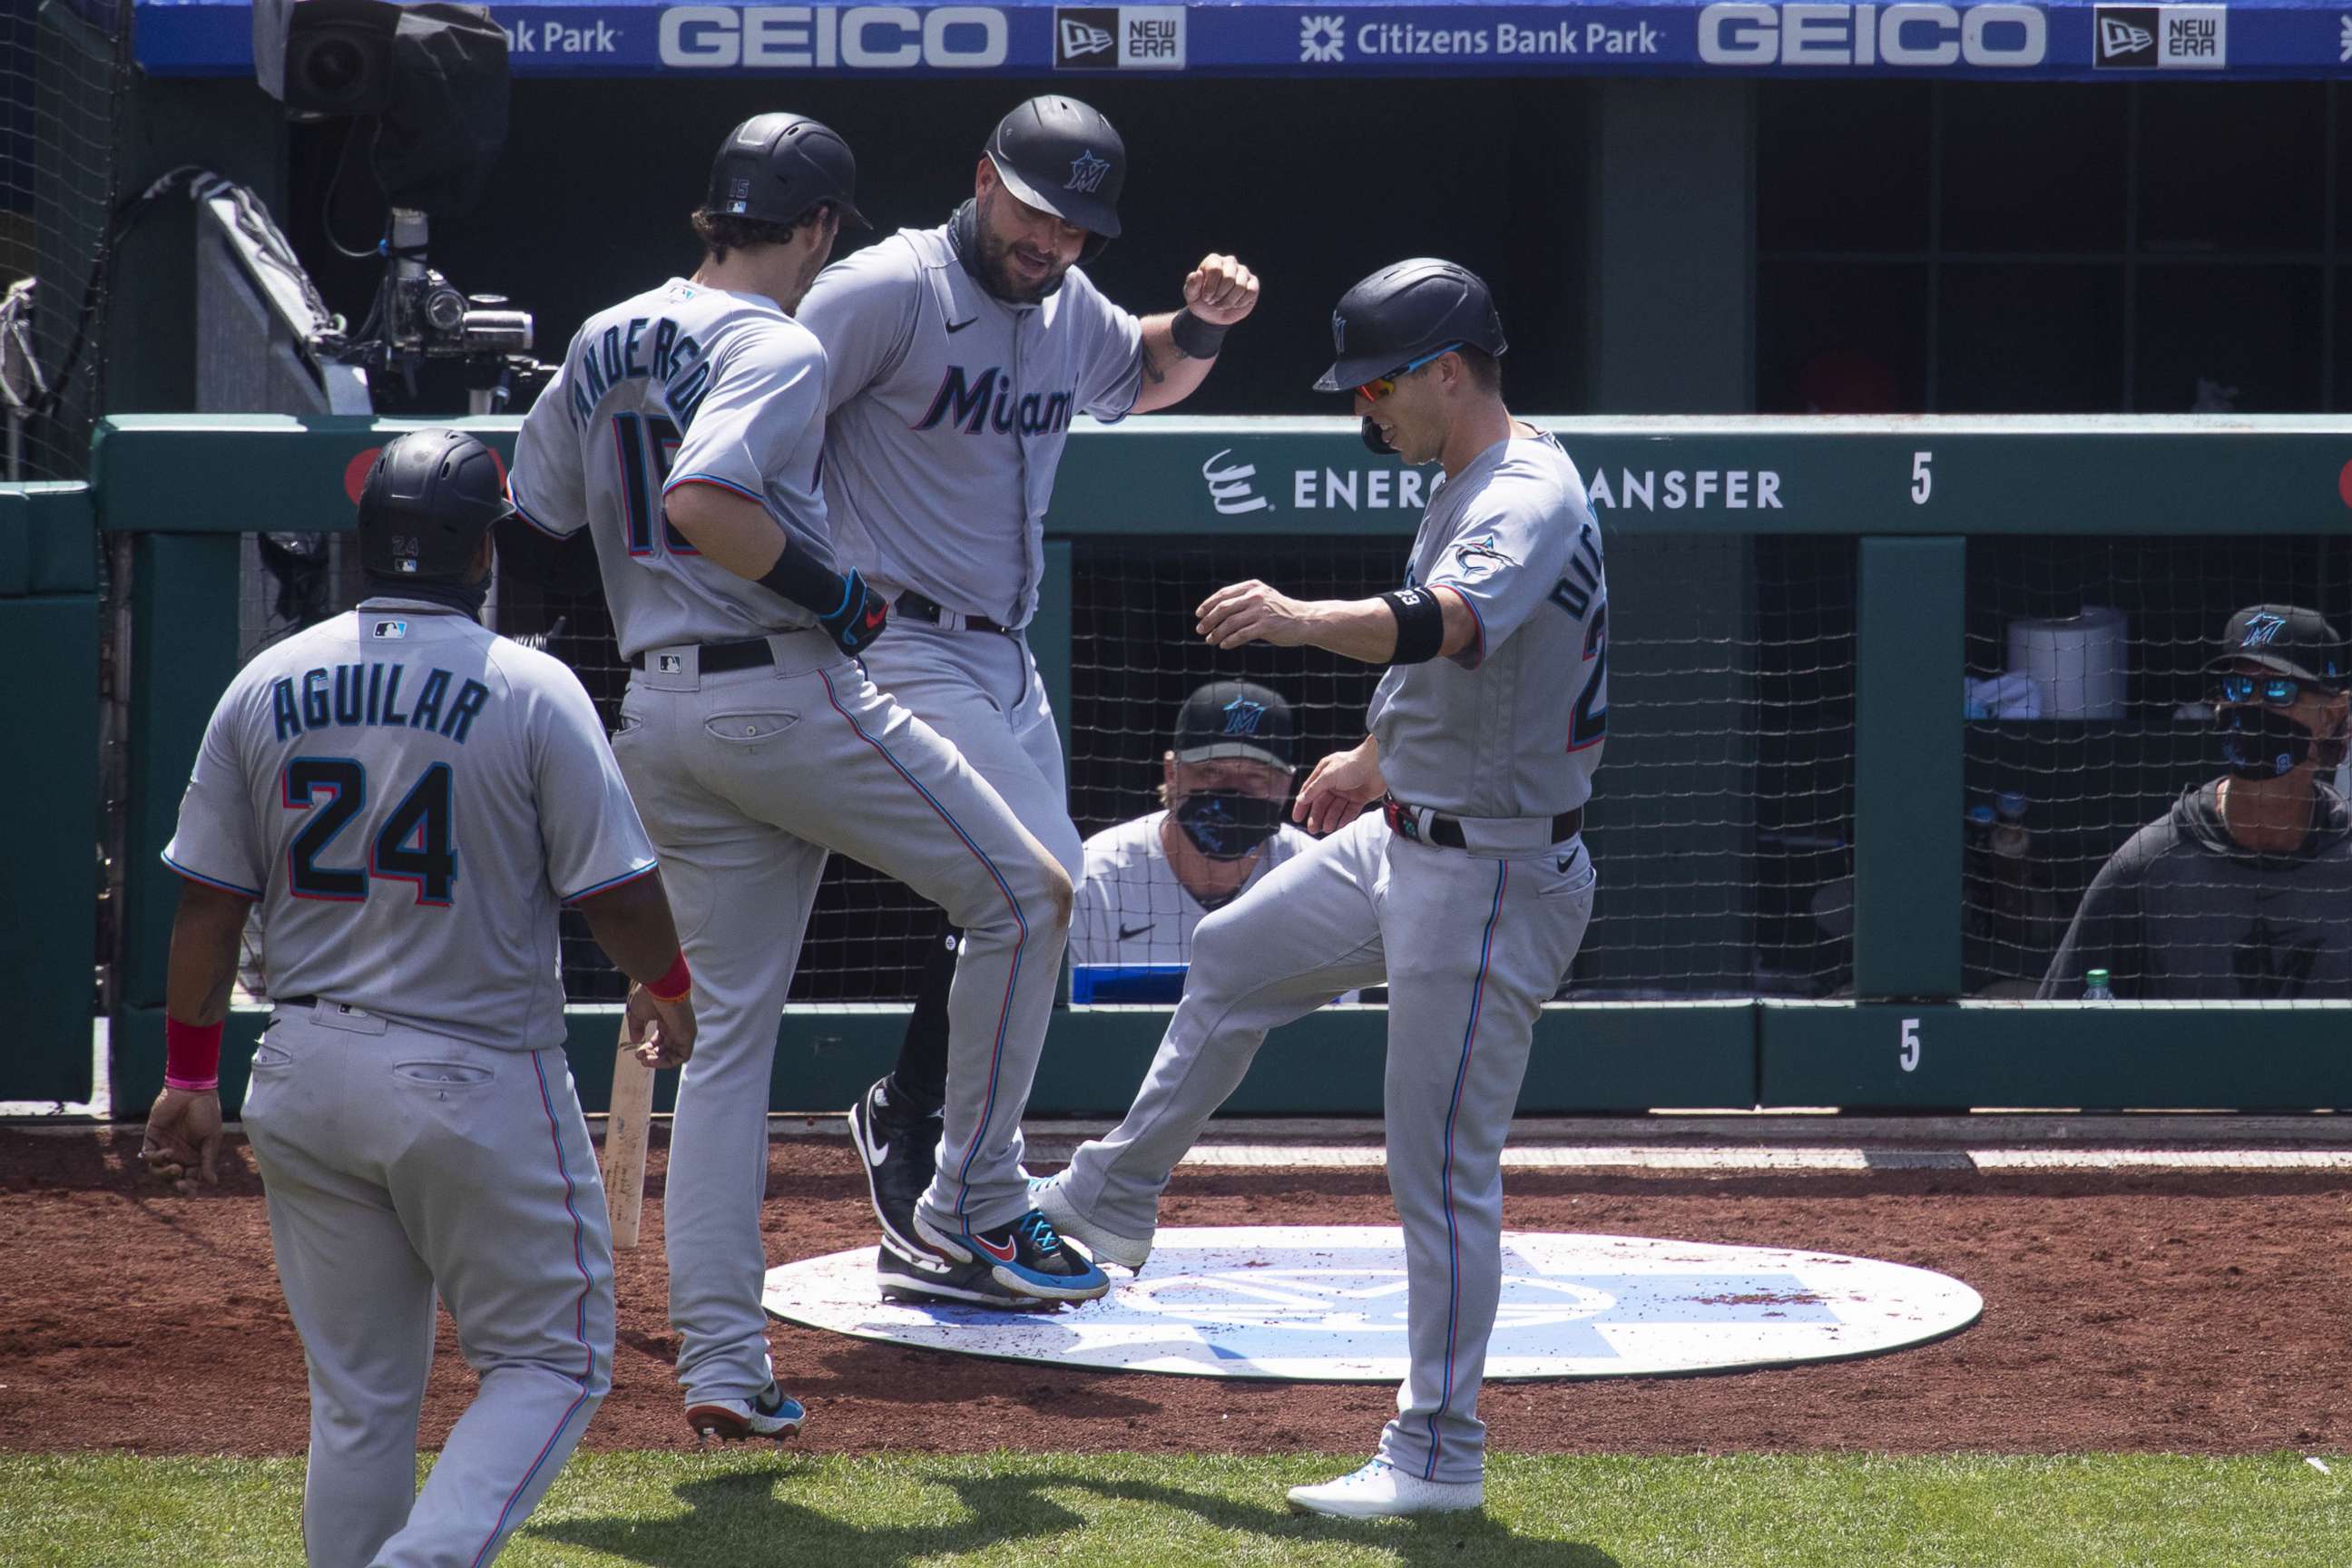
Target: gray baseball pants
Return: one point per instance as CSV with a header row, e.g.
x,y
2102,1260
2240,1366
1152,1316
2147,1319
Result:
x,y
744,780
1471,947
396,1163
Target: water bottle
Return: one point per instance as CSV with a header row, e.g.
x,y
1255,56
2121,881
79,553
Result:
x,y
2095,987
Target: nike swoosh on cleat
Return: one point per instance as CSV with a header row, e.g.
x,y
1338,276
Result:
x,y
1004,1254
959,326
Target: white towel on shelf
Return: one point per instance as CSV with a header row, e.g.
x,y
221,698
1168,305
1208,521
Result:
x,y
2015,695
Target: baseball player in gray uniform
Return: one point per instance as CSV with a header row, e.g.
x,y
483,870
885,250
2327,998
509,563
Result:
x,y
408,797
685,431
1468,890
958,357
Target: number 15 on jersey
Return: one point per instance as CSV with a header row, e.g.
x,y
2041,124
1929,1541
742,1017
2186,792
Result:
x,y
645,444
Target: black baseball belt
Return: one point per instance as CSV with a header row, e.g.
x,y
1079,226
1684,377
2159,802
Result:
x,y
718,658
1408,821
918,606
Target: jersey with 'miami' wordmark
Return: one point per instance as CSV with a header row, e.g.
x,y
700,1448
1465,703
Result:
x,y
949,410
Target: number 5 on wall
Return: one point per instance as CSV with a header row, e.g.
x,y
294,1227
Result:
x,y
1910,1053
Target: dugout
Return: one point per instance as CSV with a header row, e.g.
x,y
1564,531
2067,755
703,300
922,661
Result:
x,y
1729,208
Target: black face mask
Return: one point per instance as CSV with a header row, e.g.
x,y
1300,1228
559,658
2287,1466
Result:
x,y
2259,744
1225,824
465,597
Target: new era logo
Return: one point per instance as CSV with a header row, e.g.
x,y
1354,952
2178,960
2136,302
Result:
x,y
1119,37
2160,37
1080,38
2118,37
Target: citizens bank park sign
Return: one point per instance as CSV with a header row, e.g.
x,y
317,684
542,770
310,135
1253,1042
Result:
x,y
1742,38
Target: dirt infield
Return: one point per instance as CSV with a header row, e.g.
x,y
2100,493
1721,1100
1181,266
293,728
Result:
x,y
2198,1313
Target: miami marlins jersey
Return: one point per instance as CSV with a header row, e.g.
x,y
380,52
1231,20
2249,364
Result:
x,y
1513,724
681,384
410,797
949,412
1130,909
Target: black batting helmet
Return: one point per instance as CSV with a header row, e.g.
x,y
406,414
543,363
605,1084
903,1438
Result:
x,y
773,167
1404,311
429,500
1062,156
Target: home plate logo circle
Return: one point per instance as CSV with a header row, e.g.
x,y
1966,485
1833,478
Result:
x,y
1326,1304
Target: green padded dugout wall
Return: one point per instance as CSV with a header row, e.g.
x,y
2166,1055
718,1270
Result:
x,y
1910,490
49,646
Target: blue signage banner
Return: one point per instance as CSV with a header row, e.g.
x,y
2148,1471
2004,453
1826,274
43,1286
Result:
x,y
2054,40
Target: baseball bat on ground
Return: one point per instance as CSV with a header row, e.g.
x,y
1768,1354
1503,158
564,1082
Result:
x,y
626,1124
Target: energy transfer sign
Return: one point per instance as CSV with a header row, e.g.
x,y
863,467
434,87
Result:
x,y
1326,1304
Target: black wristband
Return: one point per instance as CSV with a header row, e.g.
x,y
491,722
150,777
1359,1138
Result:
x,y
1421,624
1194,338
801,578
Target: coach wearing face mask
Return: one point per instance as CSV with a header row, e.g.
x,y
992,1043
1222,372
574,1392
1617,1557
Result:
x,y
1225,785
2244,890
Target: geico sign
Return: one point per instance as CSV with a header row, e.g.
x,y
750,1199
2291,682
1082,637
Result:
x,y
1751,34
859,37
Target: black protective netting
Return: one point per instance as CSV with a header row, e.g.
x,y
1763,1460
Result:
x,y
2091,715
65,67
1722,824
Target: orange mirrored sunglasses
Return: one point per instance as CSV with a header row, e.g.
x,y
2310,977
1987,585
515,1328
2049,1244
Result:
x,y
1379,386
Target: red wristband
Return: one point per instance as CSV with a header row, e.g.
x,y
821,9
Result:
x,y
674,985
191,1056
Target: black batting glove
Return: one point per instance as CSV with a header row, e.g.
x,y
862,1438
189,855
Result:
x,y
860,619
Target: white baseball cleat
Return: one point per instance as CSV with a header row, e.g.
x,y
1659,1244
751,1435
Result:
x,y
774,1413
1381,1490
1045,1194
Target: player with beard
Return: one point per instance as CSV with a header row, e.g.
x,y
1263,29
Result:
x,y
957,358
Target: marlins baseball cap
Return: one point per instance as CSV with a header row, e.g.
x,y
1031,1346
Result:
x,y
2285,638
1235,719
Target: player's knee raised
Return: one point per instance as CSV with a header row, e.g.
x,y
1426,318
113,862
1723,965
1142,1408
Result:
x,y
1220,942
1059,893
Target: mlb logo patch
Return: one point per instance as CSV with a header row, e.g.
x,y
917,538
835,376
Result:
x,y
669,664
391,629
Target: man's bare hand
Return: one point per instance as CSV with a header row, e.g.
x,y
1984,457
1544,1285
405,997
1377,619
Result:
x,y
1220,290
1341,785
184,1138
663,1032
1252,612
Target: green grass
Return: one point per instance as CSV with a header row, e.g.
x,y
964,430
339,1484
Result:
x,y
739,1509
